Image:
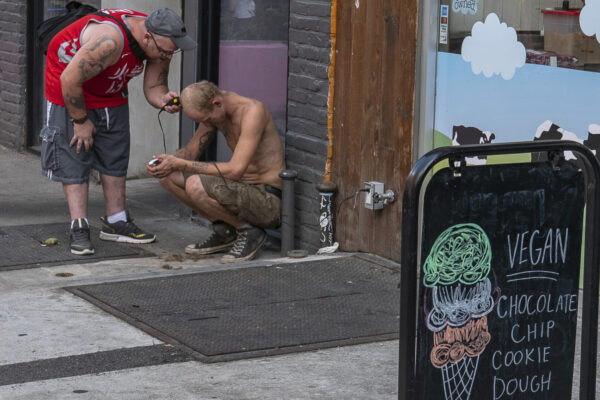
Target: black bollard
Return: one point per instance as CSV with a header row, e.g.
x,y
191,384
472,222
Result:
x,y
287,210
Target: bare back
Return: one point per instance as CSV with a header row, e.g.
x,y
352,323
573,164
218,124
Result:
x,y
242,116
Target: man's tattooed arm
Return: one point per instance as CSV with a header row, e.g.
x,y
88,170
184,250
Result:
x,y
172,163
182,153
195,167
90,61
156,82
195,148
204,140
75,104
160,75
97,57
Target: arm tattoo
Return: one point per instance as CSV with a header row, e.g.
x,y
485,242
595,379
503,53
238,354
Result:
x,y
196,167
96,58
182,153
76,102
205,140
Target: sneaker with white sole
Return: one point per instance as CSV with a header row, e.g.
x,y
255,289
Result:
x,y
222,238
80,238
124,231
249,240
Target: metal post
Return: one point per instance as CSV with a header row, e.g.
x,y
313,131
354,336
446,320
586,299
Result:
x,y
326,190
287,210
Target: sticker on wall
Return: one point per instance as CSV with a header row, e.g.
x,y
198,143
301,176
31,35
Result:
x,y
548,130
444,24
493,49
470,135
593,140
589,19
465,6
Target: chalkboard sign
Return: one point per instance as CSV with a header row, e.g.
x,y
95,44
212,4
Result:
x,y
498,288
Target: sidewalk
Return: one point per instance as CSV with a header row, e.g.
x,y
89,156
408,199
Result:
x,y
44,327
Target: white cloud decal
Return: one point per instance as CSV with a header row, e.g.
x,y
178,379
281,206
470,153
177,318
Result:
x,y
493,48
589,19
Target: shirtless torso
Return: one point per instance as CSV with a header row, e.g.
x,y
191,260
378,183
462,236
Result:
x,y
268,160
250,133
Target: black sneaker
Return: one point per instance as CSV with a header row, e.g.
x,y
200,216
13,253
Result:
x,y
222,237
122,231
80,238
249,240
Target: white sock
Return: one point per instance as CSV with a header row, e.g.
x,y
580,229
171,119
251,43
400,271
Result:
x,y
73,222
120,216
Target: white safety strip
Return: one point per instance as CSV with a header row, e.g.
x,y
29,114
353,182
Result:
x,y
107,117
48,109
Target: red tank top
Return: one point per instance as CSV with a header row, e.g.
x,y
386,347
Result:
x,y
107,89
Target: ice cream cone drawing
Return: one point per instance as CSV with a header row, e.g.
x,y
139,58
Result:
x,y
457,270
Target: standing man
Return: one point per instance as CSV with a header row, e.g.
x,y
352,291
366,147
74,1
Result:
x,y
88,66
240,197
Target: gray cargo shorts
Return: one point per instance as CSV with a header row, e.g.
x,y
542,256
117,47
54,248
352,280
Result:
x,y
250,203
109,154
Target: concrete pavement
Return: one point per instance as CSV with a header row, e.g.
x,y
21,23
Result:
x,y
43,322
46,331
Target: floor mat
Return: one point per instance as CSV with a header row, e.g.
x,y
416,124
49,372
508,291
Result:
x,y
22,247
261,310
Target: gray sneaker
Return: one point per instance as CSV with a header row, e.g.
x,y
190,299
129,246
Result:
x,y
80,238
222,238
249,240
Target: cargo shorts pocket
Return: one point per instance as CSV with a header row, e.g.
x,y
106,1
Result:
x,y
252,204
49,156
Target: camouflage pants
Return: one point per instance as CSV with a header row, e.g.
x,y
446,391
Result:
x,y
250,203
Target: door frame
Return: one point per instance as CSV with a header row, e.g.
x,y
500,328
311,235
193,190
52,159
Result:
x,y
203,21
35,77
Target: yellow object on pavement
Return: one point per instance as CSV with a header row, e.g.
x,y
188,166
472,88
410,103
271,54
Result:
x,y
51,241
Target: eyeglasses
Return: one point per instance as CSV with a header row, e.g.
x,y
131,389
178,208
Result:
x,y
164,53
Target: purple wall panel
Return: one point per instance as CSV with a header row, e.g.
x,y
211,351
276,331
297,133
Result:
x,y
256,69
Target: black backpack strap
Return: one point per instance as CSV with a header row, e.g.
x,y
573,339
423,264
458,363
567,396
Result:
x,y
135,47
47,29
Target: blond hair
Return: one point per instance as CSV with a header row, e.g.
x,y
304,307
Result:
x,y
200,95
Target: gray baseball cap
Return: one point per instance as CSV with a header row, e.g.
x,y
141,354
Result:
x,y
165,22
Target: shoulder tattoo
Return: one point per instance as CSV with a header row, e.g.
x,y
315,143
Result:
x,y
95,60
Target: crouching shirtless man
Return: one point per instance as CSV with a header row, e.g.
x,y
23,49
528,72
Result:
x,y
241,197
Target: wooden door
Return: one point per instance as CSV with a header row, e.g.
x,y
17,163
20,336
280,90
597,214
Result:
x,y
373,117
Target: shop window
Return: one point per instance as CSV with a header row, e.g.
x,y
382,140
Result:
x,y
517,70
253,55
553,32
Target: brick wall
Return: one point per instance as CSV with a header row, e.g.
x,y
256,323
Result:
x,y
13,78
308,87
